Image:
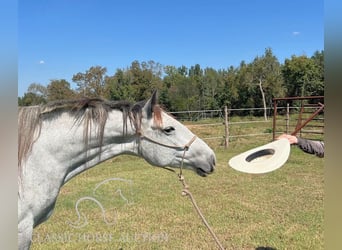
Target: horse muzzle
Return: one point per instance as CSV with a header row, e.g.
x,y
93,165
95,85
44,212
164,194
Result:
x,y
208,169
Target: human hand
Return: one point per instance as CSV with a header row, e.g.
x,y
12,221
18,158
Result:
x,y
291,138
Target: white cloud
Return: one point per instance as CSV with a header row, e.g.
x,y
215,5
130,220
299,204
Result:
x,y
41,62
296,33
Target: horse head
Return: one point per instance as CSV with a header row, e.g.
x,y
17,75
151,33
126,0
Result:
x,y
164,141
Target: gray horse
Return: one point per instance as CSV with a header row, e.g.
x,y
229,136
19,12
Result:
x,y
59,140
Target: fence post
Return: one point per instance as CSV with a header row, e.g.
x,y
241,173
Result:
x,y
274,117
226,138
287,117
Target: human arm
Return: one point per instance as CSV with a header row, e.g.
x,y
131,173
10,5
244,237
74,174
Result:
x,y
308,146
311,147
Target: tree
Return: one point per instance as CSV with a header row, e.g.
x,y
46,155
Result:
x,y
246,90
119,86
135,82
145,77
228,90
318,60
37,89
266,74
92,82
303,76
30,99
35,95
213,80
169,87
199,87
59,90
176,85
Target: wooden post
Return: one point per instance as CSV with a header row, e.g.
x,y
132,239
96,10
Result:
x,y
226,126
274,117
287,117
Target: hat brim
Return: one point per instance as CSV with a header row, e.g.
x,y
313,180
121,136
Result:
x,y
263,159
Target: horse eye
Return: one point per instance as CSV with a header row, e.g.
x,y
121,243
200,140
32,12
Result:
x,y
168,130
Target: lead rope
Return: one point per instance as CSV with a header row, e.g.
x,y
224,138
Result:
x,y
186,192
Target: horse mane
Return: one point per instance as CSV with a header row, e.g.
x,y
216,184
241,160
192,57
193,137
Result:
x,y
86,110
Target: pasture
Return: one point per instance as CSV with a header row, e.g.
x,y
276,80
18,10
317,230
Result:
x,y
125,203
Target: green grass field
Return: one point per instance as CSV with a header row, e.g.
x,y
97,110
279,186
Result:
x,y
144,209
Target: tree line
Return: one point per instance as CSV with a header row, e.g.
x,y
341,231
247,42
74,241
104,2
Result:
x,y
182,88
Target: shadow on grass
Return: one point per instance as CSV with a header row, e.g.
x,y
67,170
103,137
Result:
x,y
265,248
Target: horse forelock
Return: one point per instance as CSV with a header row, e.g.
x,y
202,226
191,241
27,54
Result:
x,y
86,111
157,116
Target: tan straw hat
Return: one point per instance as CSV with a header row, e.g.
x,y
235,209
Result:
x,y
262,159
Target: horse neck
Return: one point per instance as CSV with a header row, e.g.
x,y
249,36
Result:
x,y
71,152
118,138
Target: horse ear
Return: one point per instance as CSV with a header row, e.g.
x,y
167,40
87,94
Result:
x,y
149,105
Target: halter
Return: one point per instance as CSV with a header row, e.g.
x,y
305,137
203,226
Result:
x,y
184,148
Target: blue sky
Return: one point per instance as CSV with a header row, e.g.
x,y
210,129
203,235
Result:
x,y
57,39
